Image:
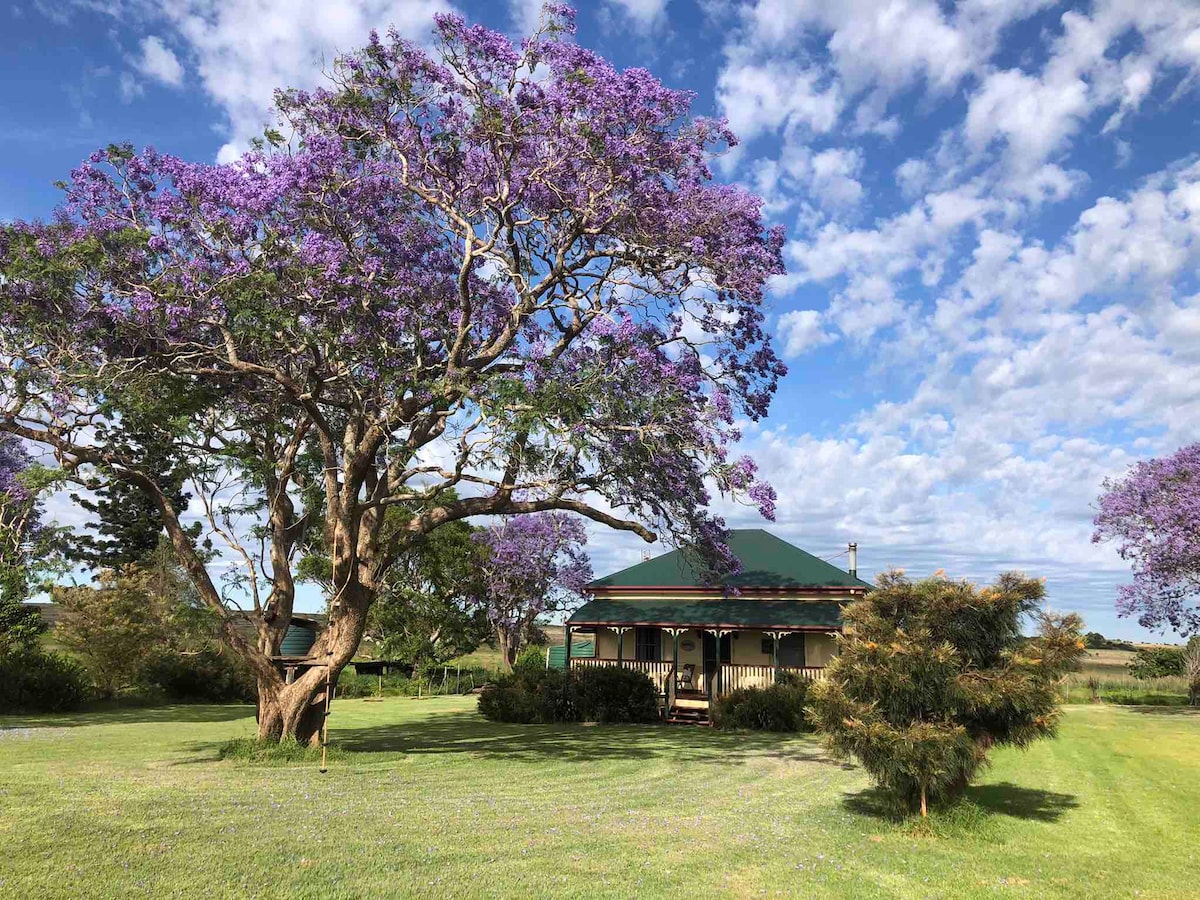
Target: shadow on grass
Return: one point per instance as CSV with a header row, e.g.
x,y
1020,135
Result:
x,y
1009,799
132,715
469,733
1004,799
1165,710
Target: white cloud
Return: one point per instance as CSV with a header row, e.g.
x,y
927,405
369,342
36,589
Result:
x,y
875,49
1039,369
244,51
1035,116
129,87
802,330
834,178
645,15
157,61
828,179
762,97
525,15
912,176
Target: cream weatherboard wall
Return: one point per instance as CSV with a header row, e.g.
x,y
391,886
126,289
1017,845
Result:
x,y
747,647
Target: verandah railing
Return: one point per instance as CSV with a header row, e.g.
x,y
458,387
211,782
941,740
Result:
x,y
731,677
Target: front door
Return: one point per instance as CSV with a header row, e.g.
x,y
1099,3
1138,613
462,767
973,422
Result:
x,y
710,654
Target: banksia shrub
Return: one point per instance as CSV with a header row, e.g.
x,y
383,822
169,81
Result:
x,y
933,674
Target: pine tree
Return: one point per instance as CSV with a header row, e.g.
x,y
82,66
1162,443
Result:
x,y
935,673
127,526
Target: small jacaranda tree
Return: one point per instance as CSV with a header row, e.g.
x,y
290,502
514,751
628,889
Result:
x,y
1153,514
532,565
483,280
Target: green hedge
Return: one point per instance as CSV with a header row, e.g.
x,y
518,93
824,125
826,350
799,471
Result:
x,y
777,708
36,681
433,683
601,694
206,676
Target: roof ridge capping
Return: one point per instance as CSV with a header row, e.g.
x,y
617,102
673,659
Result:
x,y
768,563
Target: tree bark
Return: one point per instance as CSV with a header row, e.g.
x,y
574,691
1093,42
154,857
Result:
x,y
296,711
509,646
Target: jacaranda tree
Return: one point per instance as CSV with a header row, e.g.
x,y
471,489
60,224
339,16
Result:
x,y
495,269
532,565
933,674
1153,513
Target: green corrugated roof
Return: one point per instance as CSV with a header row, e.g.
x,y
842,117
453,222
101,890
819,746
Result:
x,y
767,562
695,613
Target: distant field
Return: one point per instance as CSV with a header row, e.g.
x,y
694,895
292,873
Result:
x,y
485,658
1107,662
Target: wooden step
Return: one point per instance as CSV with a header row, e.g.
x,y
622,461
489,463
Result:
x,y
682,715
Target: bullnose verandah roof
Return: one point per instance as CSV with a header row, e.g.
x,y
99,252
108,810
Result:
x,y
781,615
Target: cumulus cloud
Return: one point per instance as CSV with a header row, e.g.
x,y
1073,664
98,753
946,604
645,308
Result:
x,y
801,331
644,15
761,97
243,52
525,15
158,62
1035,116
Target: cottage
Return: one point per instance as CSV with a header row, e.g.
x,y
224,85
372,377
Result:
x,y
697,640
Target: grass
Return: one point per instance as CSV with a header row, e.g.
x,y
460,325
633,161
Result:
x,y
425,798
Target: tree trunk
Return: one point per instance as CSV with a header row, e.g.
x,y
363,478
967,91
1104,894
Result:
x,y
294,711
509,645
297,710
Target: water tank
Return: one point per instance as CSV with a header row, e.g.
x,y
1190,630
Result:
x,y
299,638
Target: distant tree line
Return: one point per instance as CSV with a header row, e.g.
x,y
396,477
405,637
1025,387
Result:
x,y
1094,640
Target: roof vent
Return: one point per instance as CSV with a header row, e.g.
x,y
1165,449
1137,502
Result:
x,y
853,560
645,556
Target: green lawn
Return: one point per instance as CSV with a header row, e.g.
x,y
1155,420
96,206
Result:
x,y
431,800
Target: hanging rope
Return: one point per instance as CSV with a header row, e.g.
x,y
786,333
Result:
x,y
325,720
334,625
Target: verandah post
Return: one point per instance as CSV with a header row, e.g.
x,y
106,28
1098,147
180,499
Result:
x,y
567,654
714,683
620,647
675,632
775,654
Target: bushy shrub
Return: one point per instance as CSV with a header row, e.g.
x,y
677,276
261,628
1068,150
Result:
x,y
601,694
206,676
776,708
933,675
528,696
612,694
531,659
34,681
1156,662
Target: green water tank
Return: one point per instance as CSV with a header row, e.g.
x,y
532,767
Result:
x,y
299,638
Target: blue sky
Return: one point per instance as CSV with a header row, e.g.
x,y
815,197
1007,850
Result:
x,y
993,211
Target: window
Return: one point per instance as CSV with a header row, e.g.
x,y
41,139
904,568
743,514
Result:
x,y
648,644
